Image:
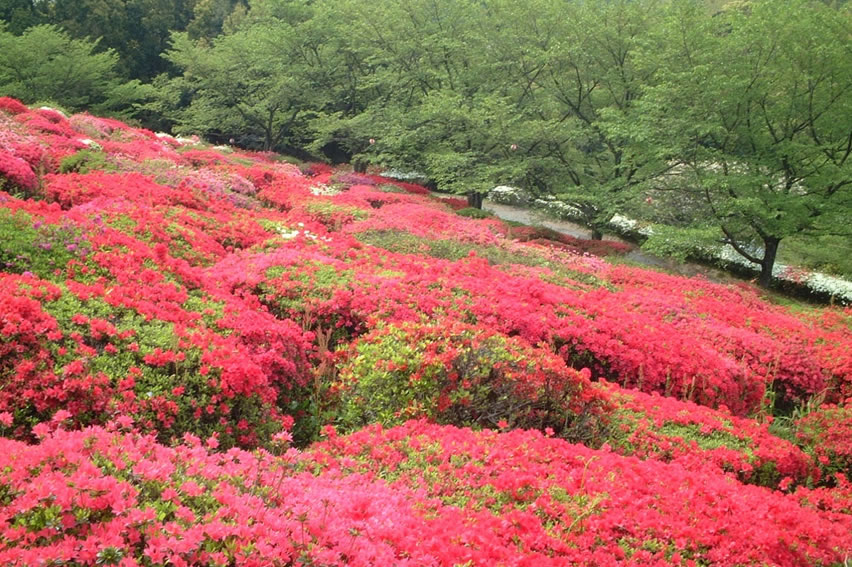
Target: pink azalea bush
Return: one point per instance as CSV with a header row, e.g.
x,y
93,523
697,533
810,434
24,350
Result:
x,y
173,317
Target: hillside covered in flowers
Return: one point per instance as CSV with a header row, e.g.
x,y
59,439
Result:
x,y
212,357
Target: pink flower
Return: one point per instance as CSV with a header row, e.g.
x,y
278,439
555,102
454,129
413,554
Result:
x,y
124,421
61,416
41,430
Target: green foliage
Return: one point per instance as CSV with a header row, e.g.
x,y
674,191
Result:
x,y
823,432
30,246
404,242
295,291
825,253
260,82
474,213
334,216
763,145
432,102
682,243
453,374
136,30
707,441
46,64
84,161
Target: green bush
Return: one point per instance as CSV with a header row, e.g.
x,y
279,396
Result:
x,y
334,216
456,374
84,161
28,245
474,213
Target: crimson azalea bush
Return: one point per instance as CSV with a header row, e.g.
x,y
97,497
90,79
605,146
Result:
x,y
100,496
554,238
826,434
418,494
562,504
154,290
93,352
652,426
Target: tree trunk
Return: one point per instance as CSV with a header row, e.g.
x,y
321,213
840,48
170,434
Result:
x,y
596,234
474,200
359,165
770,251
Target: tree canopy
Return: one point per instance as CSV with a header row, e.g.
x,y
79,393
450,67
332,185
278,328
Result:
x,y
762,149
45,64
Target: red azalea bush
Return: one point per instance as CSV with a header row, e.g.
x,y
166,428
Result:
x,y
46,121
16,172
188,290
652,426
552,237
418,494
12,106
454,203
98,496
72,189
564,504
826,434
90,352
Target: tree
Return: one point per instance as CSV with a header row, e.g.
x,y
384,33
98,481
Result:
x,y
580,76
209,17
136,30
753,106
431,99
241,86
22,14
45,64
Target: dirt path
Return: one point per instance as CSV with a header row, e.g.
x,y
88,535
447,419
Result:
x,y
533,217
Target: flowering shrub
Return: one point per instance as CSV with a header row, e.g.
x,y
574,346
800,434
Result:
x,y
551,237
100,496
458,374
826,434
673,431
88,353
159,289
17,173
12,106
36,247
556,503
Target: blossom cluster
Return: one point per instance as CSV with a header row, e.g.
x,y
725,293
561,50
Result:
x,y
157,292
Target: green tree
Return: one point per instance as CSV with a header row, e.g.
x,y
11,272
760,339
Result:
x,y
211,17
431,98
578,67
136,30
45,64
22,14
753,107
259,83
